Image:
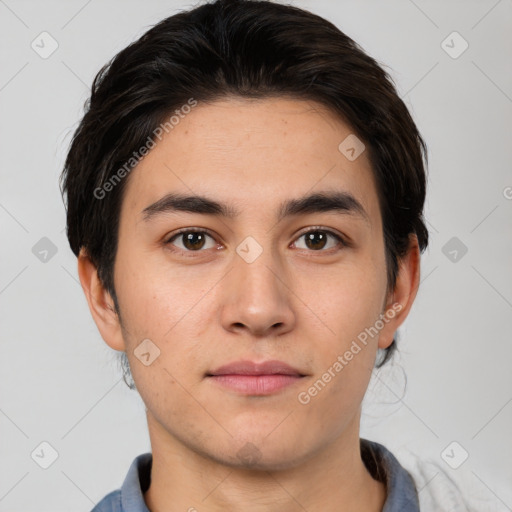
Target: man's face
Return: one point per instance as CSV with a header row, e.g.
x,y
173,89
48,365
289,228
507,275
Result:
x,y
252,287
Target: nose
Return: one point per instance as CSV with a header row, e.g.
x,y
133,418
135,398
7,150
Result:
x,y
257,298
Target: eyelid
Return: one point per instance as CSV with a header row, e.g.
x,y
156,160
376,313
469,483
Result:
x,y
342,239
167,239
188,230
330,231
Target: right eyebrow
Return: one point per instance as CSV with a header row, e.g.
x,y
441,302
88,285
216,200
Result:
x,y
193,204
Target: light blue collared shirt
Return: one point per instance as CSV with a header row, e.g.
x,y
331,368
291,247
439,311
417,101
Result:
x,y
402,495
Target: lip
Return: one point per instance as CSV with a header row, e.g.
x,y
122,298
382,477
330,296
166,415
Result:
x,y
251,378
272,367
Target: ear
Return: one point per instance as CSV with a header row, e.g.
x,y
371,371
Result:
x,y
400,300
100,303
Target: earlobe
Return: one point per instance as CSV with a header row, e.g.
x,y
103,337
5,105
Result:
x,y
100,303
401,299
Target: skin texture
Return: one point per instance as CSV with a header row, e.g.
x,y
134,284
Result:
x,y
298,303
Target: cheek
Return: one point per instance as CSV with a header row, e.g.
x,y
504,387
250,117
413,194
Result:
x,y
155,299
347,303
344,358
170,310
343,300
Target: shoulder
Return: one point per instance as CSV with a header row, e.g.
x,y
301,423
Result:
x,y
110,503
130,497
402,494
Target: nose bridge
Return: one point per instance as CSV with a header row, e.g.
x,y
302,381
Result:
x,y
257,268
258,297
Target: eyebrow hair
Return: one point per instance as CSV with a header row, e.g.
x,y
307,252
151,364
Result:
x,y
327,201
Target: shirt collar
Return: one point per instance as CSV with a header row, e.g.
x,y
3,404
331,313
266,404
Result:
x,y
136,484
383,466
380,462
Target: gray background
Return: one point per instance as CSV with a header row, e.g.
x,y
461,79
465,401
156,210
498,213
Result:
x,y
60,382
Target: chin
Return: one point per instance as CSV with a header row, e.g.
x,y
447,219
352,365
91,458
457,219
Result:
x,y
262,460
261,454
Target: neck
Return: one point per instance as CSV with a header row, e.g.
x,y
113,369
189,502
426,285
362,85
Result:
x,y
182,479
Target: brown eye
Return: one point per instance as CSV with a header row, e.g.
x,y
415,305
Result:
x,y
192,241
318,240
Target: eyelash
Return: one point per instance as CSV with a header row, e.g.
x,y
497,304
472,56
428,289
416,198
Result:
x,y
341,241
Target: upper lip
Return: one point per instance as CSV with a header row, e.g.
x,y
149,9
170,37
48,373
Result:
x,y
273,367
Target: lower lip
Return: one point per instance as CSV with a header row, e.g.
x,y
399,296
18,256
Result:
x,y
255,384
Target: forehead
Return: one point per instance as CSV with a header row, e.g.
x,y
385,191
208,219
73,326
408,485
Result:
x,y
253,154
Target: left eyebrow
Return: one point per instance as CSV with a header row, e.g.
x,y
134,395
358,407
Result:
x,y
327,201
